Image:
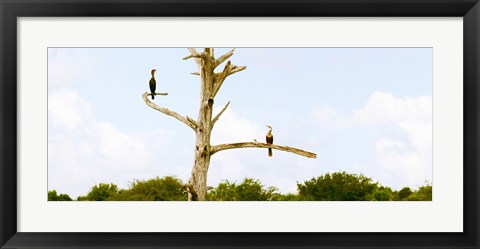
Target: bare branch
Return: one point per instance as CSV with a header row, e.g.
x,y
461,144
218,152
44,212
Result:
x,y
162,94
228,70
220,114
191,120
223,58
186,120
192,50
220,147
220,78
194,54
236,69
195,73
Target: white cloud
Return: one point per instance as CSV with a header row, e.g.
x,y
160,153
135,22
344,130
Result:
x,y
420,134
64,65
228,166
402,160
83,152
401,166
67,110
232,128
120,150
328,117
386,108
407,162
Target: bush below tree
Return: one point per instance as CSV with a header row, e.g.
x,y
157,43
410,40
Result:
x,y
338,186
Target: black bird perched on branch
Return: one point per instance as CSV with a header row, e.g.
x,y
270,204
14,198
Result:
x,y
153,83
269,140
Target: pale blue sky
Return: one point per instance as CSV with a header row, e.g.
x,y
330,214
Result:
x,y
361,110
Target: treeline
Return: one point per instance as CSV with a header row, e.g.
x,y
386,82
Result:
x,y
338,186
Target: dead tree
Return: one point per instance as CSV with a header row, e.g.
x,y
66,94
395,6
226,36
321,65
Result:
x,y
210,85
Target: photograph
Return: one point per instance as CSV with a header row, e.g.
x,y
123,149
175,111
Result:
x,y
240,124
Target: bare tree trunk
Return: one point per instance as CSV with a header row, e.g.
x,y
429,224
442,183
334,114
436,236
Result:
x,y
198,180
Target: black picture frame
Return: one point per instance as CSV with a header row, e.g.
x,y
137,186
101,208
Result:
x,y
10,10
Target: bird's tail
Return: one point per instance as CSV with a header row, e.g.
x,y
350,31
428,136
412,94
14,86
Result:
x,y
153,96
270,153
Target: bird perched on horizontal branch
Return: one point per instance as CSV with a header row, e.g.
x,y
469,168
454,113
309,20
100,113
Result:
x,y
269,140
153,84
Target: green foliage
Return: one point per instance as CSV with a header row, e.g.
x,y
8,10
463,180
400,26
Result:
x,y
341,186
100,192
287,197
248,190
53,196
167,188
404,193
424,193
225,191
338,186
383,194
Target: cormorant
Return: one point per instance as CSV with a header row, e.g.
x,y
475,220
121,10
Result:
x,y
153,83
269,140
